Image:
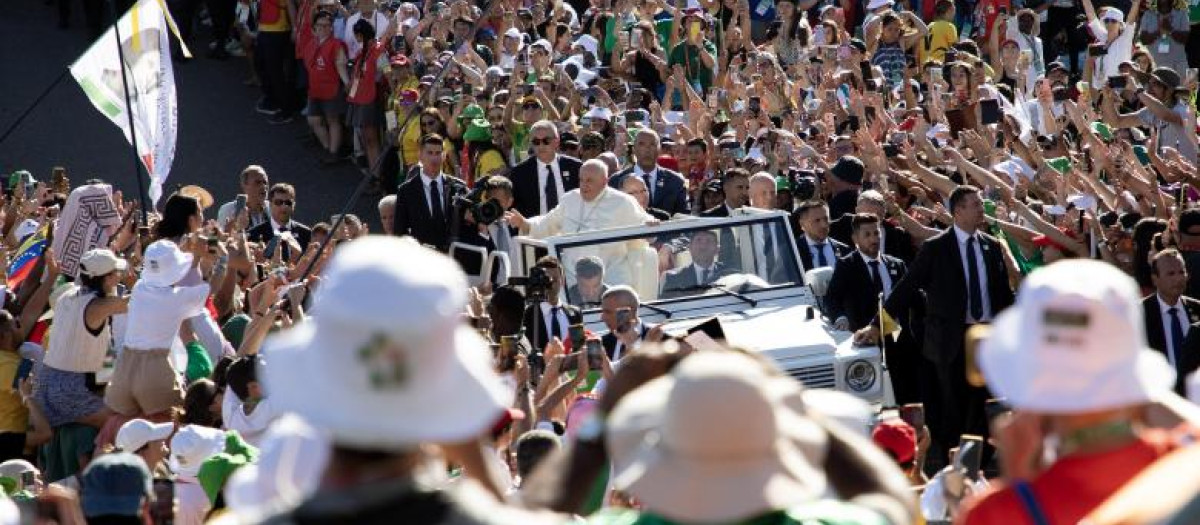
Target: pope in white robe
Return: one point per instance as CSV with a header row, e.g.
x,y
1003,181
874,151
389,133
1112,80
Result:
x,y
596,206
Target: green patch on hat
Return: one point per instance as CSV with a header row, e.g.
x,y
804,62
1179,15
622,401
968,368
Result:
x,y
1103,130
478,130
1059,164
471,112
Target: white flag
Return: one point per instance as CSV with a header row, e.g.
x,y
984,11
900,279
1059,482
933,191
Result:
x,y
151,81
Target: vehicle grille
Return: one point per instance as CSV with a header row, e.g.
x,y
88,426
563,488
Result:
x,y
821,376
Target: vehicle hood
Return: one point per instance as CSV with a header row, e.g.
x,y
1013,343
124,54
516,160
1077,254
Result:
x,y
777,331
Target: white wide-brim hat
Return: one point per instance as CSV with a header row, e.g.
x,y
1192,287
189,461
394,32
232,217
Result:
x,y
1074,342
386,363
714,482
164,264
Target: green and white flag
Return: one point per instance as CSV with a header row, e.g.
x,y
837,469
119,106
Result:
x,y
151,82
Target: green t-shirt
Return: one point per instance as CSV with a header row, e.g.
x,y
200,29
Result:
x,y
825,512
1194,11
694,68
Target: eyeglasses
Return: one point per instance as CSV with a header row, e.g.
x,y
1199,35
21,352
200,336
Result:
x,y
284,202
542,142
531,106
429,122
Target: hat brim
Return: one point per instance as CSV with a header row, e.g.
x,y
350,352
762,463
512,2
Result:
x,y
178,270
1012,370
462,401
688,491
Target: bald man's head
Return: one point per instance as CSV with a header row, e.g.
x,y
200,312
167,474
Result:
x,y
762,191
636,187
593,178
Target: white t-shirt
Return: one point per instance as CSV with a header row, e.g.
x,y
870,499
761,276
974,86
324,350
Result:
x,y
155,313
192,503
253,426
1120,50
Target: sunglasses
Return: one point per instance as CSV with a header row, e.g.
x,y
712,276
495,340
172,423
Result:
x,y
428,122
283,202
531,106
542,142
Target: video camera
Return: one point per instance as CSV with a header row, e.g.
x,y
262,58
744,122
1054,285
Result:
x,y
536,284
482,209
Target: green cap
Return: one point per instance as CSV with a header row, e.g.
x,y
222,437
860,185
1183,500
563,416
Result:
x,y
235,328
1059,164
215,471
471,112
1103,130
782,184
1142,154
478,130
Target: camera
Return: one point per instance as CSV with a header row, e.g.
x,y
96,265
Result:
x,y
482,209
537,284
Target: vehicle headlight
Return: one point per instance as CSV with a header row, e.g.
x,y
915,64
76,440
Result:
x,y
860,375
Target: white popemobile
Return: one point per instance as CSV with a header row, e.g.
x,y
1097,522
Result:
x,y
758,291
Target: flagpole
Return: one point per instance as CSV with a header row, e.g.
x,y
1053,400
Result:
x,y
137,162
885,380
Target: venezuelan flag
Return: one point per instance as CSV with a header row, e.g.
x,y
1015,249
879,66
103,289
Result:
x,y
27,257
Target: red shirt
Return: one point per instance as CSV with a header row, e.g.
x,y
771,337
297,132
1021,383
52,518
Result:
x,y
321,62
1072,487
362,79
304,34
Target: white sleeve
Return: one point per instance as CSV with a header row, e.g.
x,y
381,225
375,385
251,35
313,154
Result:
x,y
229,403
546,225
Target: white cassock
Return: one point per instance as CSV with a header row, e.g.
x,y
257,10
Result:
x,y
631,262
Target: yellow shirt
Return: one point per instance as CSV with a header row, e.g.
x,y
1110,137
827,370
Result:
x,y
282,23
942,35
490,162
14,417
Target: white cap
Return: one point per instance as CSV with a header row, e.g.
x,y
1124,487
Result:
x,y
136,433
598,112
192,445
25,229
1075,341
513,33
589,44
544,44
100,262
1111,14
876,4
164,264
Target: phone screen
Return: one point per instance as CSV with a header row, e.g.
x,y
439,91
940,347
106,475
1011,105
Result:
x,y
595,351
970,455
989,111
622,319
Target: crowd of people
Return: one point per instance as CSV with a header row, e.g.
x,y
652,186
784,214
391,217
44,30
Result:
x,y
1008,183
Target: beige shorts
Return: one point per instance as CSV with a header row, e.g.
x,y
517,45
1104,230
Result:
x,y
143,383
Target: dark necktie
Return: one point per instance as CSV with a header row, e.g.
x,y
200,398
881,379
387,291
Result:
x,y
555,327
705,274
821,260
876,279
649,187
551,190
435,203
1176,334
769,248
973,287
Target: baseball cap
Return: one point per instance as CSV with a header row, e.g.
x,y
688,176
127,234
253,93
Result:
x,y
136,433
114,485
1111,14
1075,341
897,437
100,262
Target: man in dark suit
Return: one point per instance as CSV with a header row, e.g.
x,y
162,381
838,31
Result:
x,y
702,272
736,185
551,317
816,249
425,202
844,182
542,179
619,311
965,280
282,198
896,242
1169,314
852,301
666,187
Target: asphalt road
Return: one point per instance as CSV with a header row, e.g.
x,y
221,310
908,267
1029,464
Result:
x,y
219,131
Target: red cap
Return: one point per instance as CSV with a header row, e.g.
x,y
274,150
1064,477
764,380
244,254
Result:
x,y
669,162
399,60
897,437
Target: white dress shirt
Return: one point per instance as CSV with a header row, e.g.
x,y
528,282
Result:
x,y
830,255
564,325
650,177
882,268
962,237
425,182
558,183
1180,313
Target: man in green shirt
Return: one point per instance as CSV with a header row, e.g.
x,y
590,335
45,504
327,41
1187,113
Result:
x,y
697,55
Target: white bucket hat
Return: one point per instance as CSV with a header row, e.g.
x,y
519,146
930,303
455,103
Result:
x,y
716,440
1074,342
164,264
387,336
136,433
99,262
192,445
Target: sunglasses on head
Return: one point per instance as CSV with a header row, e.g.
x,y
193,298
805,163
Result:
x,y
542,142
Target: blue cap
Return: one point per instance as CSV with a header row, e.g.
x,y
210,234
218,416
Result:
x,y
115,485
